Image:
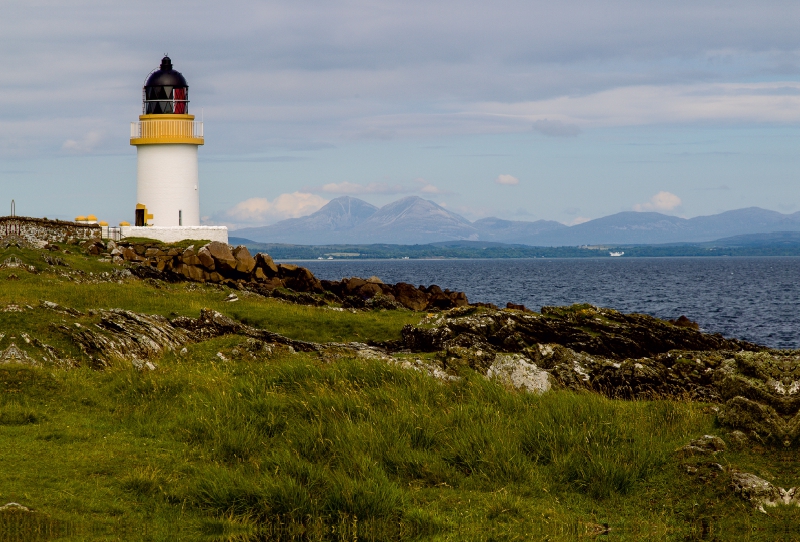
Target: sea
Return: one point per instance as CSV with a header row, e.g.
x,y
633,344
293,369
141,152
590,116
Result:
x,y
755,299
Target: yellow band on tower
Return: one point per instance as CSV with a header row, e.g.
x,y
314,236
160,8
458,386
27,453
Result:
x,y
166,129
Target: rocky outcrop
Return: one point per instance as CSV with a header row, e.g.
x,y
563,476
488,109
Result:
x,y
123,334
236,267
582,328
624,356
126,335
761,394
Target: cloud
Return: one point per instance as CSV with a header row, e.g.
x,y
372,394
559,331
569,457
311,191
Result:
x,y
431,189
87,144
256,211
638,105
426,187
347,188
506,179
395,69
578,220
556,128
663,201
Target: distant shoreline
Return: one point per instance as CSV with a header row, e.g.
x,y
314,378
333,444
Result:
x,y
471,250
296,260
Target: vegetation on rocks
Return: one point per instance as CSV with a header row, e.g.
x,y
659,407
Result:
x,y
138,405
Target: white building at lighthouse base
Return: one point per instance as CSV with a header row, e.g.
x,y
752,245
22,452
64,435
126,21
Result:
x,y
173,234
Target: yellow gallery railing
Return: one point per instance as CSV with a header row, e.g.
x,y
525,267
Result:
x,y
151,131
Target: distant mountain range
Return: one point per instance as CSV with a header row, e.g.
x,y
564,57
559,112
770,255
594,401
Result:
x,y
413,220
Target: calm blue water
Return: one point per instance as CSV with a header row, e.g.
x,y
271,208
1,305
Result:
x,y
757,299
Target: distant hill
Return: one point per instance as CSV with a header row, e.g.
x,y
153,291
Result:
x,y
413,220
514,231
653,228
789,239
409,220
324,226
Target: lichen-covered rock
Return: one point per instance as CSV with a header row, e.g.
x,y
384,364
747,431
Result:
x,y
705,445
382,302
418,339
756,419
468,351
128,335
516,371
755,490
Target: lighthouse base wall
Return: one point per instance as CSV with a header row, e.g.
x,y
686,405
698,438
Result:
x,y
177,233
167,184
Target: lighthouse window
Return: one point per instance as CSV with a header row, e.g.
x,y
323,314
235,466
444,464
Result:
x,y
179,101
160,100
180,218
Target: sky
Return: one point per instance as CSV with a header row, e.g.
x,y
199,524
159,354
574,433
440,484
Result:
x,y
524,110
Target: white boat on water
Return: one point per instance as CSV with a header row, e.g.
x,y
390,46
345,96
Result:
x,y
615,254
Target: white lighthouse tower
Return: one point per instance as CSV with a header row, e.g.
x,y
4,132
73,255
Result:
x,y
167,186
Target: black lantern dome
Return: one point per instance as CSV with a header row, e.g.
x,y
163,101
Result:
x,y
165,92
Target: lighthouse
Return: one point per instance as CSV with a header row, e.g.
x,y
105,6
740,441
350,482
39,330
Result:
x,y
166,138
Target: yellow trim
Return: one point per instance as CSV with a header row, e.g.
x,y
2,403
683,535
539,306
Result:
x,y
123,223
167,140
166,116
167,129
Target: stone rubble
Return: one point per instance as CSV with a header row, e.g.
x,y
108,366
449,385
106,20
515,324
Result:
x,y
237,268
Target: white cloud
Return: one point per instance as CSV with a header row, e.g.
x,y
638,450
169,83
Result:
x,y
634,105
263,211
663,201
506,179
87,144
431,189
578,220
426,187
399,68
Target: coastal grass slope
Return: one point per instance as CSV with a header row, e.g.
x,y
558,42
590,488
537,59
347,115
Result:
x,y
221,442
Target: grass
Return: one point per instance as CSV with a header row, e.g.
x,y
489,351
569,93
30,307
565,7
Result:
x,y
291,446
297,439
